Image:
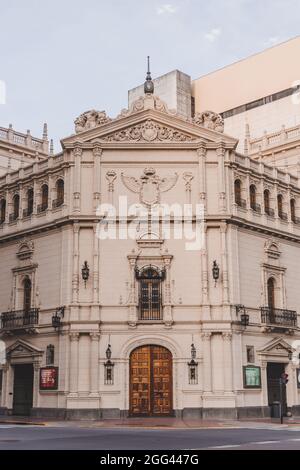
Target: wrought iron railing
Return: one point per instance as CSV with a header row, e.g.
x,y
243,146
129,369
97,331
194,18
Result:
x,y
19,319
283,215
27,212
270,212
42,208
256,207
279,317
57,203
13,217
241,203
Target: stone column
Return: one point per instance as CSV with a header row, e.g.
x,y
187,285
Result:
x,y
132,304
94,364
84,365
264,384
97,151
75,277
167,309
77,152
227,355
96,266
223,229
36,384
207,366
202,174
74,338
221,177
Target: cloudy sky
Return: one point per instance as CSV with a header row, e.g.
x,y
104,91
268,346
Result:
x,y
61,57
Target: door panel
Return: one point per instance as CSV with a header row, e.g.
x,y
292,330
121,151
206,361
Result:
x,y
274,371
151,381
23,389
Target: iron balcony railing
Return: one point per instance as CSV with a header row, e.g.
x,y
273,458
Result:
x,y
283,216
42,208
256,207
13,217
270,212
19,319
279,317
57,203
27,212
241,203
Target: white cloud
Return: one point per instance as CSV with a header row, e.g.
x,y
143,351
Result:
x,y
166,8
213,34
272,41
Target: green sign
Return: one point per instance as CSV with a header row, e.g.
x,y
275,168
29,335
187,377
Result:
x,y
252,377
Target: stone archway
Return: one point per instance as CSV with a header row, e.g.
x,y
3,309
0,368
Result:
x,y
151,382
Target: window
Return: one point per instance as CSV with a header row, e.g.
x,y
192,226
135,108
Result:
x,y
250,354
45,193
280,206
293,210
29,201
271,293
16,206
253,197
2,210
267,201
238,192
150,293
27,295
60,192
50,355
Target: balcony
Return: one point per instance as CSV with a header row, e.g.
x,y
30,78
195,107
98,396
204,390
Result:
x,y
42,208
13,217
283,216
57,203
256,208
279,318
27,213
241,203
270,212
20,320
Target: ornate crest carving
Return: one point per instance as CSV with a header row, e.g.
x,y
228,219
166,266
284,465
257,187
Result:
x,y
146,102
25,249
111,176
90,119
149,185
210,120
149,131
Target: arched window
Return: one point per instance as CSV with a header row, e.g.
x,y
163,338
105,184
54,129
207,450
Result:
x,y
293,210
280,206
253,197
2,210
29,201
238,192
150,293
16,206
27,295
45,193
267,201
60,192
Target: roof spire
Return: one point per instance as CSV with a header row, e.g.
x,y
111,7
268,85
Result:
x,y
148,85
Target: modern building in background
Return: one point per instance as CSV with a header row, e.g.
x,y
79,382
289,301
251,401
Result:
x,y
98,325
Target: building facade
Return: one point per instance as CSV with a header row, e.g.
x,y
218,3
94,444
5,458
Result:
x,y
103,319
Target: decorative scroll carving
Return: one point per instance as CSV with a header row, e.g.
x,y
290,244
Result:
x,y
25,249
146,102
149,185
90,119
210,120
111,176
149,131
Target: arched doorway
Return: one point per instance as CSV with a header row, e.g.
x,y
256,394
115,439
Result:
x,y
151,381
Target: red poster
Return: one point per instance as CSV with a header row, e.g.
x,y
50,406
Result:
x,y
48,378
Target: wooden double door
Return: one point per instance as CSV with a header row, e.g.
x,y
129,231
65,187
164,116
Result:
x,y
151,381
23,389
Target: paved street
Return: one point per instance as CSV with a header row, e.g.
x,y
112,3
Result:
x,y
71,437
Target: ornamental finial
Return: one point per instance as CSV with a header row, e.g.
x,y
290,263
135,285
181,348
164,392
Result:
x,y
148,85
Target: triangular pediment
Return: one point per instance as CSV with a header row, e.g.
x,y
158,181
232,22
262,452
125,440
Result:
x,y
145,126
276,347
22,349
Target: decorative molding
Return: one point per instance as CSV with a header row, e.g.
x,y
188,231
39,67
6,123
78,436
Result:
x,y
210,120
90,119
149,131
188,177
111,176
25,249
149,185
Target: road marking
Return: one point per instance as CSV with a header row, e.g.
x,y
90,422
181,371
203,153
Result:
x,y
294,439
264,442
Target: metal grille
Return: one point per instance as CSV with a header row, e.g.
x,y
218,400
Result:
x,y
277,316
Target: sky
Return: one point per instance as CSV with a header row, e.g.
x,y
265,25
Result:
x,y
61,58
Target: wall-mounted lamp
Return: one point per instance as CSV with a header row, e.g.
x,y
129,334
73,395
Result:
x,y
241,310
193,367
215,272
85,272
57,318
108,368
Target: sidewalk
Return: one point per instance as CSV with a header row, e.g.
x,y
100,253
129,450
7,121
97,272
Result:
x,y
152,423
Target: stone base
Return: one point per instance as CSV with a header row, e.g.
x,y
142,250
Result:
x,y
253,412
295,410
4,411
